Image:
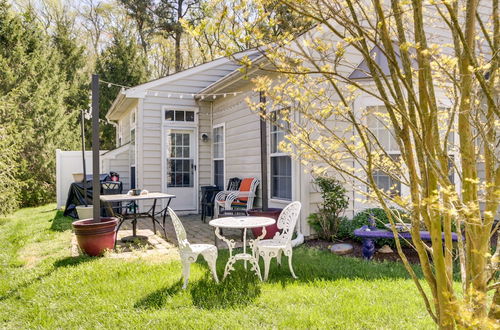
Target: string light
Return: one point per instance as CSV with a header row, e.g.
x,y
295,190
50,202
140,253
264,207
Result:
x,y
109,84
192,95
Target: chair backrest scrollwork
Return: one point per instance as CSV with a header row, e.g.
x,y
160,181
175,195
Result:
x,y
287,222
180,232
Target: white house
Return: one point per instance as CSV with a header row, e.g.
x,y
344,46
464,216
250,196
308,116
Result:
x,y
180,111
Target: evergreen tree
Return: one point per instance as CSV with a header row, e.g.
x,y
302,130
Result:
x,y
33,116
121,63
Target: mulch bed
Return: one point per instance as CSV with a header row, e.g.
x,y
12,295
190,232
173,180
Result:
x,y
410,253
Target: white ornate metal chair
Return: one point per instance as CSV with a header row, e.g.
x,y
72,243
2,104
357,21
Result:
x,y
190,252
282,241
237,201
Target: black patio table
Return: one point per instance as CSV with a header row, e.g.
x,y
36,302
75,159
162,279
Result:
x,y
150,213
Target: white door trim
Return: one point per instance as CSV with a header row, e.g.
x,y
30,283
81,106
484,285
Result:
x,y
172,126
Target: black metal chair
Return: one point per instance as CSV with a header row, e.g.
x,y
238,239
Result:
x,y
112,188
207,201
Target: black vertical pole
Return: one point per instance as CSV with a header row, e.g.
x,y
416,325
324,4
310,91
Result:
x,y
82,124
263,151
96,184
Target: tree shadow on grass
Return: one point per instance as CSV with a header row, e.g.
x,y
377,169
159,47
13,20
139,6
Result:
x,y
159,298
60,222
240,288
60,263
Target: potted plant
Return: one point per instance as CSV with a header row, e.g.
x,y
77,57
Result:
x,y
95,234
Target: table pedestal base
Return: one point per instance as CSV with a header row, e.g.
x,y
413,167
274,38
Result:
x,y
252,258
246,257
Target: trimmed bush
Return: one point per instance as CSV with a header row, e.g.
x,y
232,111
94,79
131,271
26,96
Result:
x,y
327,220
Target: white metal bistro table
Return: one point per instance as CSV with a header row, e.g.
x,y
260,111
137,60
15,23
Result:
x,y
151,213
242,223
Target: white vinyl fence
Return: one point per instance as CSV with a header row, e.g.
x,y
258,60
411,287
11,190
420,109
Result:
x,y
67,163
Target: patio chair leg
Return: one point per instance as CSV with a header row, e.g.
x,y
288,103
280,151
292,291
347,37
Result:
x,y
211,259
278,257
267,262
186,270
290,263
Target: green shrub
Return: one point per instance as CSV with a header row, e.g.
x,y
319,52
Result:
x,y
347,227
326,221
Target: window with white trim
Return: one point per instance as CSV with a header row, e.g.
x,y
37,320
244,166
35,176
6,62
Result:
x,y
377,125
179,115
281,163
218,158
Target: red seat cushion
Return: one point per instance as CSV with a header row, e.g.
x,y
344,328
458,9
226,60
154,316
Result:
x,y
245,185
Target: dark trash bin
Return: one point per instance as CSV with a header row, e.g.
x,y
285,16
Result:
x,y
208,194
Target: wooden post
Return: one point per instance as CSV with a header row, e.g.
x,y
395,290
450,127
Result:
x,y
263,152
96,183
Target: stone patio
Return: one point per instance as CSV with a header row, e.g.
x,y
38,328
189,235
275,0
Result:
x,y
156,246
197,231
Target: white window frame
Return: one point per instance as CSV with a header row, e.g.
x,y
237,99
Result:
x,y
278,153
180,123
392,152
223,126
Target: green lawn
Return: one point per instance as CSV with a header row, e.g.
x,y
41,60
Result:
x,y
41,286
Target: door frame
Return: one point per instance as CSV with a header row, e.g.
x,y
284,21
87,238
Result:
x,y
188,126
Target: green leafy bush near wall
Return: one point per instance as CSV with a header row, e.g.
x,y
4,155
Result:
x,y
347,227
327,220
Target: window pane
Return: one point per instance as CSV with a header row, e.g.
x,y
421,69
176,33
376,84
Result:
x,y
189,115
179,116
219,173
169,115
179,173
281,177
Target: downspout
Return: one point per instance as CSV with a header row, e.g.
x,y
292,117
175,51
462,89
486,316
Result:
x,y
300,237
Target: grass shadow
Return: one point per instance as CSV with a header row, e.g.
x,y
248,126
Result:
x,y
72,261
60,222
159,298
60,263
240,288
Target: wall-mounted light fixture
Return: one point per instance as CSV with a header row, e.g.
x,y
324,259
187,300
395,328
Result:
x,y
204,137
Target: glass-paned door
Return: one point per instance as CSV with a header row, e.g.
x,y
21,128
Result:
x,y
181,168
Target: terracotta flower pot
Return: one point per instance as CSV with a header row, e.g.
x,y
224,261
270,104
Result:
x,y
96,237
270,213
